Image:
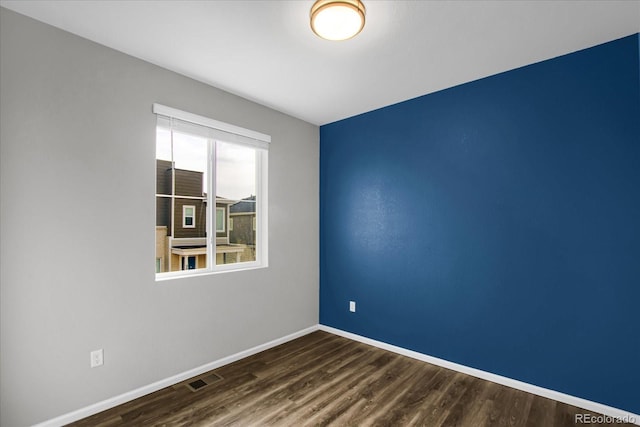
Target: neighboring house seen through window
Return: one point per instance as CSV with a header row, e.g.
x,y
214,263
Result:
x,y
204,166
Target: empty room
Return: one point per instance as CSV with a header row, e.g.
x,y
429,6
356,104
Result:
x,y
331,212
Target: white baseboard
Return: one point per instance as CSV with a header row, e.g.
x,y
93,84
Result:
x,y
599,408
139,392
519,385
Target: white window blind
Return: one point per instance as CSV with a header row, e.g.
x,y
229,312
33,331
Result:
x,y
189,123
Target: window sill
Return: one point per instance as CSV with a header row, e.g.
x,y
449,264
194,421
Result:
x,y
163,277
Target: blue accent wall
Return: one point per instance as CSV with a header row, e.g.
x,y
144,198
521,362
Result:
x,y
496,224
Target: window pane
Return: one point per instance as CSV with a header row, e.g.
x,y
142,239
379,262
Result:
x,y
236,183
181,192
163,144
190,158
163,204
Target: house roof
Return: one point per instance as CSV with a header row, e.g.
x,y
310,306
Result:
x,y
247,204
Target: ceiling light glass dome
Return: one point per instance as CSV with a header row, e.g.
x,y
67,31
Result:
x,y
337,19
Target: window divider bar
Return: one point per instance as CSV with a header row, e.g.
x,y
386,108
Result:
x,y
177,196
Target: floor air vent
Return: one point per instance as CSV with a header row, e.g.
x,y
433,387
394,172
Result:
x,y
202,382
197,384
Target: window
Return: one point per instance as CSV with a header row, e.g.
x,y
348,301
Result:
x,y
188,216
220,220
207,171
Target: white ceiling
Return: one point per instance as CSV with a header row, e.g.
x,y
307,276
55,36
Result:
x,y
266,52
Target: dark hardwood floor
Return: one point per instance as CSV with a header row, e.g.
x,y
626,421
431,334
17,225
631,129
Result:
x,y
324,379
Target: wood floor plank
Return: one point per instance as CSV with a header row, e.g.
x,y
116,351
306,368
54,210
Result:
x,y
441,408
519,411
378,390
416,394
542,412
336,383
469,404
255,401
337,400
322,379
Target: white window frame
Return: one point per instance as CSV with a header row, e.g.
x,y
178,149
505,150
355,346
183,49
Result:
x,y
224,132
184,216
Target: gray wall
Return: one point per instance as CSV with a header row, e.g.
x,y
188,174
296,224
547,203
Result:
x,y
77,174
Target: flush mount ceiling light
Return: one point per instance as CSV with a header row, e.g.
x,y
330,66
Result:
x,y
337,19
